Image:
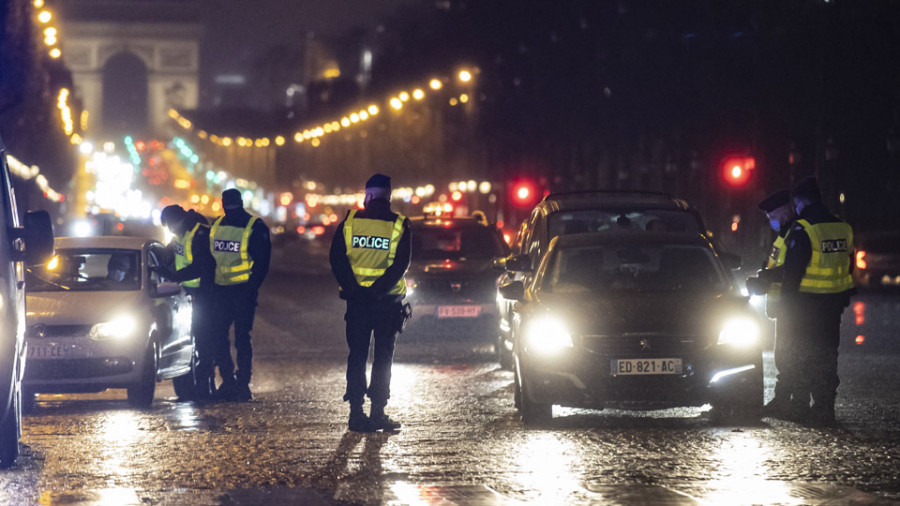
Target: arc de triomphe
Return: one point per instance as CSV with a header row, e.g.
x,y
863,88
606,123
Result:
x,y
132,60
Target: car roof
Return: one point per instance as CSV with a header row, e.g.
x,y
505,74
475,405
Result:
x,y
636,238
600,199
111,242
427,221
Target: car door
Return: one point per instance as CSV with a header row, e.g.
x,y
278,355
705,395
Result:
x,y
172,313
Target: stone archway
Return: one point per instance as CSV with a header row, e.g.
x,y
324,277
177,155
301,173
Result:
x,y
124,94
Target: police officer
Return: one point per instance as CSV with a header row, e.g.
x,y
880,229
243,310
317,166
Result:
x,y
780,214
370,254
241,247
195,269
816,288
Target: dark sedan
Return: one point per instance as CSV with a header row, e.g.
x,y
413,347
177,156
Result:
x,y
636,321
450,282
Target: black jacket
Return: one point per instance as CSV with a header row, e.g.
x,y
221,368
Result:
x,y
260,247
203,265
377,209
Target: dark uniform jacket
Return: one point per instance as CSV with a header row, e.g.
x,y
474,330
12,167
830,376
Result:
x,y
259,249
203,265
377,209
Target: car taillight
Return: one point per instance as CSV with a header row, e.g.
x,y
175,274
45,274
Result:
x,y
861,259
318,230
301,230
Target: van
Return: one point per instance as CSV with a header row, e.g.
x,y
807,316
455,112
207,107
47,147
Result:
x,y
31,243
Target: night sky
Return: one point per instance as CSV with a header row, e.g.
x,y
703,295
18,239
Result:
x,y
237,31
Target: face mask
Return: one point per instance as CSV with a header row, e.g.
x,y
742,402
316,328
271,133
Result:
x,y
775,224
117,276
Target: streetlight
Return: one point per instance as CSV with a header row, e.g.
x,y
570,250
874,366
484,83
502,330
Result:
x,y
465,76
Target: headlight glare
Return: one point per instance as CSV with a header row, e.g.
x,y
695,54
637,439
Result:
x,y
117,328
742,332
548,335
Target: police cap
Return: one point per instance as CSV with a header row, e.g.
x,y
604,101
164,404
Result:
x,y
231,199
171,215
775,200
807,188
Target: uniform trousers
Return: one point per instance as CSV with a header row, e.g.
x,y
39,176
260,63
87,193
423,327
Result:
x,y
235,304
815,327
365,320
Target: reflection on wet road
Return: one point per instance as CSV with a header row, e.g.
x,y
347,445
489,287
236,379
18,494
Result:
x,y
461,442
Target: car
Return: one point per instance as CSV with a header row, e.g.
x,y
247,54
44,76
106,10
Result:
x,y
877,260
634,320
99,317
588,211
450,282
19,245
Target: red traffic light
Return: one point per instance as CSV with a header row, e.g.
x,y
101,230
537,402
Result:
x,y
736,171
524,193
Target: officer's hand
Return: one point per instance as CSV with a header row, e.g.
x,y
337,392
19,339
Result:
x,y
757,286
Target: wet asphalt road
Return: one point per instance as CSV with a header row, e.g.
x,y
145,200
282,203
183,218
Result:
x,y
462,441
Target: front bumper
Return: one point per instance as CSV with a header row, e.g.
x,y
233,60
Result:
x,y
581,378
80,364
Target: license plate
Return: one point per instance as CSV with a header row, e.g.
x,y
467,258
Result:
x,y
642,366
48,351
458,311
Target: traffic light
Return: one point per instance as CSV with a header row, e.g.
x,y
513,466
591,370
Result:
x,y
736,171
524,193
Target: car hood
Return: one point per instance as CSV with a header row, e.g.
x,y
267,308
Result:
x,y
672,313
464,267
80,308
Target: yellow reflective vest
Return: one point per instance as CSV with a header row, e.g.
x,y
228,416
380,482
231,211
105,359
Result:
x,y
183,254
776,259
828,270
371,248
229,248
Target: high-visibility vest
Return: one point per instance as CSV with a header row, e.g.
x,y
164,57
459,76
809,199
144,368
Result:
x,y
828,270
229,248
776,259
371,248
183,254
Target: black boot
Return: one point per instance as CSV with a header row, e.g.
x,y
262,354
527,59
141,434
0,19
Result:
x,y
381,421
358,421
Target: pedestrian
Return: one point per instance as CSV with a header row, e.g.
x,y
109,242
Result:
x,y
816,287
242,250
780,213
195,269
369,256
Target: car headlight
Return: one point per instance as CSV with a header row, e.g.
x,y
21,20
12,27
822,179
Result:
x,y
548,335
120,327
742,331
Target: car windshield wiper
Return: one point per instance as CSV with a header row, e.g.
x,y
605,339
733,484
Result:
x,y
47,281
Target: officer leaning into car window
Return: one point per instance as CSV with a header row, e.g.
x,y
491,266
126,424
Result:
x,y
816,287
242,249
370,253
780,213
195,269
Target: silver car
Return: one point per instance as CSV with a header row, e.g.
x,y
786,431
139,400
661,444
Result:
x,y
98,317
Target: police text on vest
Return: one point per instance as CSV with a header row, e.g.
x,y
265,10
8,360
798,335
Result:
x,y
370,242
834,245
227,246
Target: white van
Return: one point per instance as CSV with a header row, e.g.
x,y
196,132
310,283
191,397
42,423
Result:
x,y
18,245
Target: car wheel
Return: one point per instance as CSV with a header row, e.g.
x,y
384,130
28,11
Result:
x,y
140,395
533,413
9,432
744,405
504,356
29,401
186,385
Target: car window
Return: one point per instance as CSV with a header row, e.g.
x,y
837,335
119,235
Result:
x,y
439,243
613,220
87,270
634,268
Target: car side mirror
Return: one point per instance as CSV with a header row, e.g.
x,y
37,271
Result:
x,y
731,261
514,290
519,263
499,263
165,289
37,236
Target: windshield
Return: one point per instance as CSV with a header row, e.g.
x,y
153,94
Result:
x,y
438,243
646,268
87,270
617,220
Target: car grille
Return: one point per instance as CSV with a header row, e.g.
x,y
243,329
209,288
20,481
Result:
x,y
642,344
41,330
478,290
77,368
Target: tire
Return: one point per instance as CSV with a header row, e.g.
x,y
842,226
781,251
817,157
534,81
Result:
x,y
504,356
186,385
745,405
10,429
140,395
533,413
29,401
